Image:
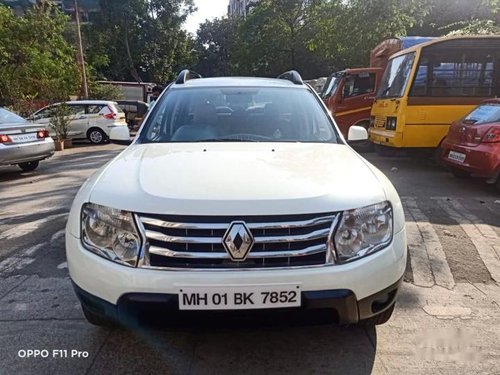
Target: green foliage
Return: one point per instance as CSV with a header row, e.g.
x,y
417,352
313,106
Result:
x,y
139,40
60,120
317,37
99,91
35,59
216,44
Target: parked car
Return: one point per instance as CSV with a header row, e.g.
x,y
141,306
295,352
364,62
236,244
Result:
x,y
472,147
90,119
261,206
135,110
23,143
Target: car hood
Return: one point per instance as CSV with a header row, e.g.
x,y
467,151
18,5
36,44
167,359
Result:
x,y
236,179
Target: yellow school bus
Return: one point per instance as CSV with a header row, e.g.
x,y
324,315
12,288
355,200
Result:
x,y
427,87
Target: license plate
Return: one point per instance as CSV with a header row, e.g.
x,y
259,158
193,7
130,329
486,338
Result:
x,y
239,297
457,156
22,138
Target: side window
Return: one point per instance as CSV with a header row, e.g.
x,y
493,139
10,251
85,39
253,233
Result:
x,y
94,109
44,113
76,109
359,84
455,74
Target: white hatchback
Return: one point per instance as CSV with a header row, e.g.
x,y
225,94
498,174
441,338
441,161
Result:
x,y
90,119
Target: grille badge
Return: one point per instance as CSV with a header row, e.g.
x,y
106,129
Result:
x,y
238,241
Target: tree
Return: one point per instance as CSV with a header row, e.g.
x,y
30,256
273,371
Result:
x,y
217,42
450,16
139,40
36,62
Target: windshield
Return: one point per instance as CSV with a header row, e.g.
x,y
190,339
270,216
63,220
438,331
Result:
x,y
396,76
330,86
484,114
238,114
7,117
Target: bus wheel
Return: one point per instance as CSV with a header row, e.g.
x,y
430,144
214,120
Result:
x,y
385,151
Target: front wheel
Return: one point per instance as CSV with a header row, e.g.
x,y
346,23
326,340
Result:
x,y
96,136
29,166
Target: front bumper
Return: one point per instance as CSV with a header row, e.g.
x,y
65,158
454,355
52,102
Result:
x,y
384,137
113,285
341,302
25,152
482,160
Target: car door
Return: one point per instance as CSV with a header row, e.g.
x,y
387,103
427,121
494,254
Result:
x,y
358,93
78,121
93,114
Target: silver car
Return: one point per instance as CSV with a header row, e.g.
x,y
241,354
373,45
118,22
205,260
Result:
x,y
23,143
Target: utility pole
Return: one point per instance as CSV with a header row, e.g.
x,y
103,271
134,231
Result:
x,y
80,49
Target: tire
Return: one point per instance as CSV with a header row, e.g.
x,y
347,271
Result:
x,y
96,136
459,173
498,184
29,166
379,319
96,319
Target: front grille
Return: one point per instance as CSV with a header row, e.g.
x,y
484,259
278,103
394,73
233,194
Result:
x,y
196,241
380,122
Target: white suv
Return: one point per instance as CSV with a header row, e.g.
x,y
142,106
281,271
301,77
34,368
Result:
x,y
240,193
90,119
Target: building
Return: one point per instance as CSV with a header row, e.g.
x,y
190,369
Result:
x,y
239,8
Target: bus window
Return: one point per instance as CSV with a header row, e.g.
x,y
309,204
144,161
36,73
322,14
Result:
x,y
452,74
396,76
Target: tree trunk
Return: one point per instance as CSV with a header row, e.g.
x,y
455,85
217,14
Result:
x,y
133,70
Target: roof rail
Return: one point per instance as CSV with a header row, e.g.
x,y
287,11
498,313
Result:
x,y
185,76
293,76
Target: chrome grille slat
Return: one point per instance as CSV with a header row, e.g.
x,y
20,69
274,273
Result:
x,y
191,242
212,226
216,240
219,255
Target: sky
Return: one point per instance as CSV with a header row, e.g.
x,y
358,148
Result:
x,y
206,9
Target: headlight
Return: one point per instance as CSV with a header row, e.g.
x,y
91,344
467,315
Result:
x,y
391,123
363,231
110,233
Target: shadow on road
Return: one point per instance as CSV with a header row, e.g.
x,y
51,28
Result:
x,y
243,343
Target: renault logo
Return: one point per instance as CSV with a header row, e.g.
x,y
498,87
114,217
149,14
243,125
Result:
x,y
238,241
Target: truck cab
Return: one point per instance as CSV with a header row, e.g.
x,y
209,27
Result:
x,y
349,95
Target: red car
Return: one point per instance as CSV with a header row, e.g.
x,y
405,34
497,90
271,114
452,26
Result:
x,y
472,147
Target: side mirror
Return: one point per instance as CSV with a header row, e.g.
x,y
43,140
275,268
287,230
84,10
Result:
x,y
120,135
357,133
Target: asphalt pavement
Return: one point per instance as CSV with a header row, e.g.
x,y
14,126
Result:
x,y
447,318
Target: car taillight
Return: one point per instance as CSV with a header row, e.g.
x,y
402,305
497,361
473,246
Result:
x,y
5,139
42,134
111,115
492,136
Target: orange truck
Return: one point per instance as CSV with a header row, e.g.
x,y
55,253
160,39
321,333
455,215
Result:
x,y
349,94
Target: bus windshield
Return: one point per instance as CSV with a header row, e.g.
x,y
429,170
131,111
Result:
x,y
396,76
